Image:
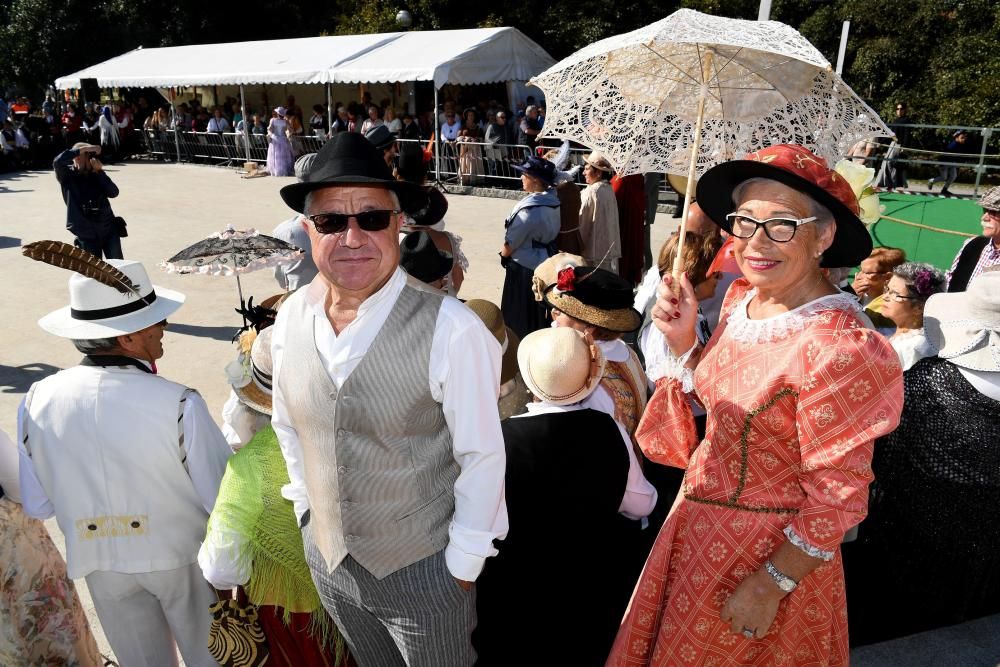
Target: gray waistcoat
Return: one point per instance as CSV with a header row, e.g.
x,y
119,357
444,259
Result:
x,y
379,468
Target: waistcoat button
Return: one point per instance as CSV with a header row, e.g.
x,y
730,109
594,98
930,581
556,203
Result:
x,y
342,469
92,526
135,524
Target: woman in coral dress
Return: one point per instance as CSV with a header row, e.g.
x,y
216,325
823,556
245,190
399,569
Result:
x,y
747,567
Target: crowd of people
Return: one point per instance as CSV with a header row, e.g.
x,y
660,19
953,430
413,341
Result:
x,y
680,476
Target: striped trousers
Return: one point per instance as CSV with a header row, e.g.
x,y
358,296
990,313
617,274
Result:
x,y
415,617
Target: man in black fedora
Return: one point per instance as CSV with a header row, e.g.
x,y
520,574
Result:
x,y
387,418
383,140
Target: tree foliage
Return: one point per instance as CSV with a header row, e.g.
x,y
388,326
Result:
x,y
938,55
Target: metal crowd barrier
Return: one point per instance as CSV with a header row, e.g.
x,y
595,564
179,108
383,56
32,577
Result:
x,y
461,162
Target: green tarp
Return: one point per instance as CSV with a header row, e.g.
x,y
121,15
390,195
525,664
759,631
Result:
x,y
927,245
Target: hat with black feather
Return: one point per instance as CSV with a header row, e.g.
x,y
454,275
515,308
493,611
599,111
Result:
x,y
107,298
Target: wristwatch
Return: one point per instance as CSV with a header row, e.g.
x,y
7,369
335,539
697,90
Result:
x,y
784,582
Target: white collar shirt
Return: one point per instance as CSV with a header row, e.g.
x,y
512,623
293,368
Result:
x,y
464,377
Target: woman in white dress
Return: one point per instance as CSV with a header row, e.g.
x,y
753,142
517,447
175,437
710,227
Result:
x,y
280,160
906,292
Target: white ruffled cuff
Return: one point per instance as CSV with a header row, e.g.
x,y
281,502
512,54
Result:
x,y
675,368
809,549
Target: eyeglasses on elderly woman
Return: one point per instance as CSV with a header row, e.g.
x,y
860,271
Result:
x,y
779,230
892,295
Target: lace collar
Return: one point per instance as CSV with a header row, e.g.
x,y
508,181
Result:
x,y
741,328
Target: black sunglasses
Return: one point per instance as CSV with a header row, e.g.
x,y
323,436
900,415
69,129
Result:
x,y
336,223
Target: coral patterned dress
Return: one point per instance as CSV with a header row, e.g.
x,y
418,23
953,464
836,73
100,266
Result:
x,y
794,405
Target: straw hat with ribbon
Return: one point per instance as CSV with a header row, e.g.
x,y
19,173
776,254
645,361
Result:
x,y
595,296
560,366
965,326
491,316
250,373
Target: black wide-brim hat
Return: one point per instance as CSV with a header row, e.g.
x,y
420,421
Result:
x,y
801,170
595,296
434,212
350,159
420,258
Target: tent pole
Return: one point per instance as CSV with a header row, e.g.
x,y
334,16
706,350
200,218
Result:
x,y
437,137
246,122
329,109
177,129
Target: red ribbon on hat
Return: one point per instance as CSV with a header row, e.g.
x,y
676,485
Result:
x,y
566,280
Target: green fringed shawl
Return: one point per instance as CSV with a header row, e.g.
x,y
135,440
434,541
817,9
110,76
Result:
x,y
250,504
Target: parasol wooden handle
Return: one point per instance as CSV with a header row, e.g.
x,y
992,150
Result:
x,y
689,190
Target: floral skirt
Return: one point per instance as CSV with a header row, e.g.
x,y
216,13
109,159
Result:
x,y
701,555
41,619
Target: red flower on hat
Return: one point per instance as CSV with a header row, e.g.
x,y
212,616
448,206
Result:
x,y
566,280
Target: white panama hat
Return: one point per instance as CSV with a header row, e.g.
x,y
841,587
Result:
x,y
96,310
965,326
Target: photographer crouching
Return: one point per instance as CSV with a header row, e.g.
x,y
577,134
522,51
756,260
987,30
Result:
x,y
86,189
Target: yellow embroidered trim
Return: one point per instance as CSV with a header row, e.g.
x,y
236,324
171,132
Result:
x,y
111,526
733,501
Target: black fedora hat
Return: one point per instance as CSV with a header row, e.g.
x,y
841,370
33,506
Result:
x,y
539,168
420,258
350,159
437,206
381,137
595,296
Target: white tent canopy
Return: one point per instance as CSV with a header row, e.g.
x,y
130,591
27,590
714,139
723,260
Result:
x,y
303,60
463,57
446,56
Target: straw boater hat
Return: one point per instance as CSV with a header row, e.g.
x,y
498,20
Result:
x,y
965,326
599,161
253,384
493,319
595,296
798,168
560,365
117,299
990,200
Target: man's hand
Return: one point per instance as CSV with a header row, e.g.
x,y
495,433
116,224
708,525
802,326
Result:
x,y
96,165
466,585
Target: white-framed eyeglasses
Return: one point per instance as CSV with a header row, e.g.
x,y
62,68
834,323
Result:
x,y
779,230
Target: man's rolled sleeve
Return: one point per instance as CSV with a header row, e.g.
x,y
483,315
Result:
x,y
469,390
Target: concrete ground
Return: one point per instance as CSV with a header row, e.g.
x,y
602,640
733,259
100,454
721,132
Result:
x,y
167,208
171,206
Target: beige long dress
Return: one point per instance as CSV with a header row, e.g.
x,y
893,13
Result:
x,y
602,245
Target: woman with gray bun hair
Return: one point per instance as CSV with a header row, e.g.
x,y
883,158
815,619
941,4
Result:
x,y
911,284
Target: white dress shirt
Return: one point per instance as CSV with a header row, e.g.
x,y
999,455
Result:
x,y
204,445
8,469
464,377
218,125
449,131
640,495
